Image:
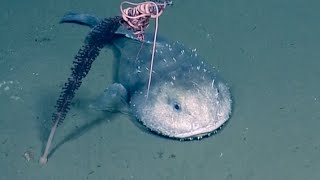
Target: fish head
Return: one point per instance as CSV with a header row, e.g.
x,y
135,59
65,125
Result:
x,y
183,110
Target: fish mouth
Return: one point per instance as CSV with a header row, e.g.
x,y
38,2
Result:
x,y
200,132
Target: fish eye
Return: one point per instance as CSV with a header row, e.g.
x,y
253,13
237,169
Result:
x,y
177,106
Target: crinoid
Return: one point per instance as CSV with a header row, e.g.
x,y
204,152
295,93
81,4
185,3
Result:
x,y
137,19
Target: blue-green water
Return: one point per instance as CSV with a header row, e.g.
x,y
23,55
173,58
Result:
x,y
267,51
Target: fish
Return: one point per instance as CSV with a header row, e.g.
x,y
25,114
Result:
x,y
187,99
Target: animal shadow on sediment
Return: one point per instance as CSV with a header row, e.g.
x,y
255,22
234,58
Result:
x,y
97,120
44,121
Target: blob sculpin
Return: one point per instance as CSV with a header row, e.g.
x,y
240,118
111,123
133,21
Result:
x,y
186,99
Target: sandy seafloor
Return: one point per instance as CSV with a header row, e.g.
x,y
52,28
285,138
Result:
x,y
267,52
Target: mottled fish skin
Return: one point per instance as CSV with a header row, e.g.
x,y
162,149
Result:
x,y
186,100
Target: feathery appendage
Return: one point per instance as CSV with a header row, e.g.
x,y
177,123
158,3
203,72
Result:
x,y
100,35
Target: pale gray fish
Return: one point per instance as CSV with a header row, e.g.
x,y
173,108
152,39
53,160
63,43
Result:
x,y
186,100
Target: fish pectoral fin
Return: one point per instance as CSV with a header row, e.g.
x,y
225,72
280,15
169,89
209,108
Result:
x,y
113,99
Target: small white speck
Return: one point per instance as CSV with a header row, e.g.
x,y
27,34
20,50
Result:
x,y
14,97
198,67
221,154
174,59
6,88
212,84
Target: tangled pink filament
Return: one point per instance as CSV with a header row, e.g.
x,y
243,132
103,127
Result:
x,y
137,18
